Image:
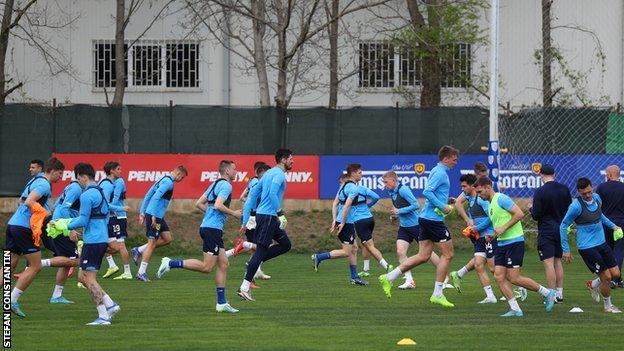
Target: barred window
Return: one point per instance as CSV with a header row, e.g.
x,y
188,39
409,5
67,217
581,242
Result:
x,y
179,72
150,64
376,65
147,61
104,63
456,66
378,69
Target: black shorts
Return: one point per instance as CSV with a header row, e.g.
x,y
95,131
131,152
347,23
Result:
x,y
154,233
64,247
433,230
510,256
47,242
251,235
267,230
548,247
92,255
347,234
364,228
598,258
19,240
408,234
118,228
483,248
213,240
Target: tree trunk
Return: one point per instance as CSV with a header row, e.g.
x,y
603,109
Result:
x,y
282,63
547,95
259,10
333,56
430,95
120,54
4,43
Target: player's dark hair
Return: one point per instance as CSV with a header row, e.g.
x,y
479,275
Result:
x,y
470,179
38,162
258,164
447,151
583,183
224,165
53,164
109,166
480,167
84,169
262,168
352,168
483,181
281,154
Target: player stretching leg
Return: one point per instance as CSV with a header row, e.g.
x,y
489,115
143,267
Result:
x,y
405,208
23,233
269,224
66,252
483,249
152,214
346,236
505,216
215,203
432,229
115,224
93,215
586,212
248,226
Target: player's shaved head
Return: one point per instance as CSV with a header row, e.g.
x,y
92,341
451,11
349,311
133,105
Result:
x,y
613,172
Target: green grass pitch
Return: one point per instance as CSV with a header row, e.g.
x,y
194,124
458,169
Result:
x,y
302,310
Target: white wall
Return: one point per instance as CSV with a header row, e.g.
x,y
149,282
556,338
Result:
x,y
520,36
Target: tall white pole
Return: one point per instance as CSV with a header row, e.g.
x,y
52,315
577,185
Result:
x,y
493,145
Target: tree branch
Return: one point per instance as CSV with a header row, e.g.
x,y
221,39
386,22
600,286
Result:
x,y
10,90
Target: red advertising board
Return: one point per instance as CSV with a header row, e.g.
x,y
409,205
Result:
x,y
140,171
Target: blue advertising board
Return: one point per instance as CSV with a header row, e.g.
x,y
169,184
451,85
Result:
x,y
519,175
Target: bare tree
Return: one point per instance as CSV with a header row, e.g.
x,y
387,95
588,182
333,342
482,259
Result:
x,y
436,27
122,19
562,84
291,25
31,24
547,95
258,10
332,31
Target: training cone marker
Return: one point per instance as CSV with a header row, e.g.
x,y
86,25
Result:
x,y
576,310
406,341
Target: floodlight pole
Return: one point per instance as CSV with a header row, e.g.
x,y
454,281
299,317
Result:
x,y
493,145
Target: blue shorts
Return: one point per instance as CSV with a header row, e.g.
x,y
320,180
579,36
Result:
x,y
213,240
64,247
364,228
251,235
433,230
19,240
347,234
548,247
510,256
598,258
408,234
483,248
154,233
118,227
267,230
92,255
